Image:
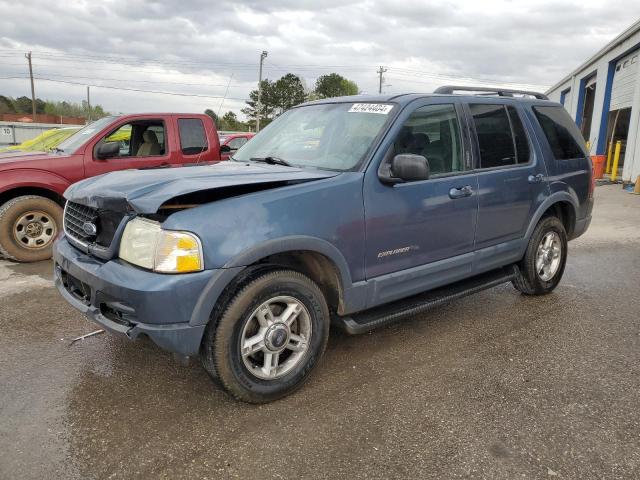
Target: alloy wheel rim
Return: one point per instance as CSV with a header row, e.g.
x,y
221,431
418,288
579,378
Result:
x,y
34,230
548,256
275,337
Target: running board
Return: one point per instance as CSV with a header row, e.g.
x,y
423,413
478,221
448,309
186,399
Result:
x,y
368,320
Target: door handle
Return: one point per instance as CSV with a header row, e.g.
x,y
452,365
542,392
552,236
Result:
x,y
461,192
536,178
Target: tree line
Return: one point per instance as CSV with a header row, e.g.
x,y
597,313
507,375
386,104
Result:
x,y
22,105
279,96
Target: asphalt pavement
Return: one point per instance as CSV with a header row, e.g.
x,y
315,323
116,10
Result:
x,y
496,386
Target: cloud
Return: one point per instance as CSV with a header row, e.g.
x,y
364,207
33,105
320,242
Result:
x,y
196,46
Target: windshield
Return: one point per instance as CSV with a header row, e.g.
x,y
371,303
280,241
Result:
x,y
79,138
333,136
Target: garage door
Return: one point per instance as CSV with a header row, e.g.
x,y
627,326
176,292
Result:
x,y
624,81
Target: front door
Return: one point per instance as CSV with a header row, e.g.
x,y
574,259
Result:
x,y
142,144
420,234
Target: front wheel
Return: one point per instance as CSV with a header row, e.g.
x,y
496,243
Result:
x,y
543,264
28,226
269,338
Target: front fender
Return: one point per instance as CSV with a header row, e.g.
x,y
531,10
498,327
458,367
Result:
x,y
293,243
27,177
224,276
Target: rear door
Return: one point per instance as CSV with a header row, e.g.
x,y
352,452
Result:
x,y
511,180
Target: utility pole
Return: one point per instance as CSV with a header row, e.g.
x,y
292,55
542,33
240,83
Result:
x,y
33,91
263,55
380,72
88,104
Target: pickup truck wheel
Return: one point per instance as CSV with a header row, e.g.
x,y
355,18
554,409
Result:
x,y
269,338
28,226
543,264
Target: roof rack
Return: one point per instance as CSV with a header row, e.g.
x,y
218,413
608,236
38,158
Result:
x,y
502,92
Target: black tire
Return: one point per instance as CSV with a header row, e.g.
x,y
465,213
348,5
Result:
x,y
19,208
529,280
221,346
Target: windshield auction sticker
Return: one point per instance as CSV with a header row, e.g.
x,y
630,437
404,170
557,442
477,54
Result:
x,y
381,108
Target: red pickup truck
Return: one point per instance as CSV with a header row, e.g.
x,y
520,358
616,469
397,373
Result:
x,y
31,185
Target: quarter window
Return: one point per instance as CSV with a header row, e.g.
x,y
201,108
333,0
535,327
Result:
x,y
562,133
192,137
519,136
433,132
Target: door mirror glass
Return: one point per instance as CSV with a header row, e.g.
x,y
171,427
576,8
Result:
x,y
108,150
409,167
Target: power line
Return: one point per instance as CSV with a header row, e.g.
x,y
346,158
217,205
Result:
x,y
202,84
179,94
469,80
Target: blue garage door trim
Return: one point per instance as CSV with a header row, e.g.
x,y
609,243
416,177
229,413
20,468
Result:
x,y
580,110
602,134
563,95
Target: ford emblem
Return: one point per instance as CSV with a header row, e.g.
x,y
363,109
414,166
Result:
x,y
89,228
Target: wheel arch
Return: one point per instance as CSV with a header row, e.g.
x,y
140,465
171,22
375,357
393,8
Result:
x,y
15,192
562,205
316,258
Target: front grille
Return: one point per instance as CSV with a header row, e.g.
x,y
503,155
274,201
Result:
x,y
106,223
75,216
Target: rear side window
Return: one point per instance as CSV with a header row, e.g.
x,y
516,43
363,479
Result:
x,y
497,147
236,143
192,137
561,132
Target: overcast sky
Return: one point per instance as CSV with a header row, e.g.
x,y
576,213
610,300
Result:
x,y
200,47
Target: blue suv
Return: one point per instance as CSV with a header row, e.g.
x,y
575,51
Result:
x,y
354,211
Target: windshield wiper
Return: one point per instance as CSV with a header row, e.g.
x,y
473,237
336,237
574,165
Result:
x,y
271,161
57,150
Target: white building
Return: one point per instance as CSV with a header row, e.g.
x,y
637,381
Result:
x,y
603,96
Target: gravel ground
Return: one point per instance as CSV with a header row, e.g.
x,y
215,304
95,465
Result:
x,y
496,385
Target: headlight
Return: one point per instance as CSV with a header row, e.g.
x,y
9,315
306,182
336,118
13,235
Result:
x,y
145,244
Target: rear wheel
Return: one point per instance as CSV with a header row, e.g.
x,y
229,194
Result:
x,y
269,338
28,226
543,264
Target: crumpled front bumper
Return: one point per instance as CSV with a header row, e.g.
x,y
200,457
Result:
x,y
127,300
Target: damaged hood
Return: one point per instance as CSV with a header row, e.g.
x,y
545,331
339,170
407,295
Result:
x,y
146,190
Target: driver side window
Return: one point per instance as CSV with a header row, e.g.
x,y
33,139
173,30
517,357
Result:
x,y
433,131
138,139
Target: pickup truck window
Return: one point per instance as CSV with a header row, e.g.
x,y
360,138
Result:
x,y
75,141
433,131
236,143
192,137
332,136
561,132
144,138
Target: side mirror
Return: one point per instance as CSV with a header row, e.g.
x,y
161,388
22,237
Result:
x,y
108,150
225,148
407,167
